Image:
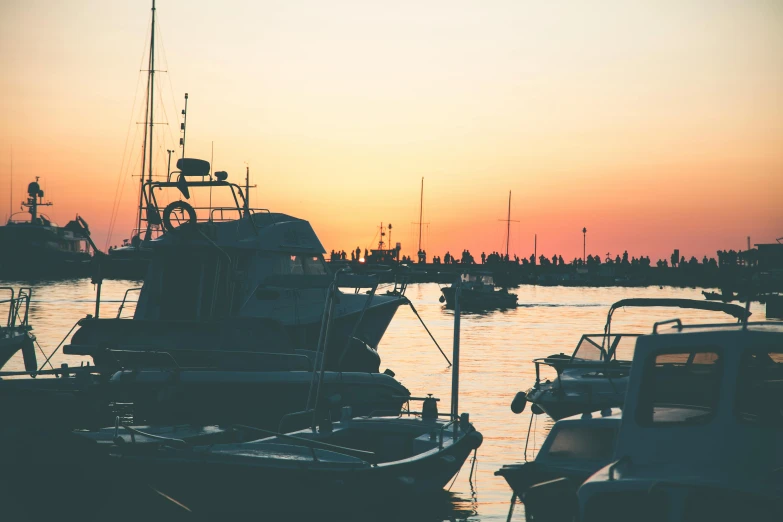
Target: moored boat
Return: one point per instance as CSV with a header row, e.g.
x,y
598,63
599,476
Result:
x,y
479,292
595,376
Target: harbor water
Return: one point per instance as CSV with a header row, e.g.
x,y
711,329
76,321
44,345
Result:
x,y
496,350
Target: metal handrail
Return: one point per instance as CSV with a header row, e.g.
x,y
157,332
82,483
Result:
x,y
366,456
133,432
122,304
668,321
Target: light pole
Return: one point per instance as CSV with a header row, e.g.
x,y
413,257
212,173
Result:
x,y
584,245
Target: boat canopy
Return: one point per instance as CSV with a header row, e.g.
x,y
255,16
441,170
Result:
x,y
736,311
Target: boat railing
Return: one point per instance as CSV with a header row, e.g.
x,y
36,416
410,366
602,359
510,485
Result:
x,y
18,306
124,299
366,456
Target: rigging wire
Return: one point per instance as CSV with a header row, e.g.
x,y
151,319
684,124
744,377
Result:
x,y
121,176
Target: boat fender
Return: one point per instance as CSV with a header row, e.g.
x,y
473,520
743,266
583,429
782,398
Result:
x,y
177,206
519,402
536,409
429,410
442,299
28,353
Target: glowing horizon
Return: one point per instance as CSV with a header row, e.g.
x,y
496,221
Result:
x,y
655,126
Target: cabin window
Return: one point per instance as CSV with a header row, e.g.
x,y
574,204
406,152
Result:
x,y
583,443
681,387
314,265
760,387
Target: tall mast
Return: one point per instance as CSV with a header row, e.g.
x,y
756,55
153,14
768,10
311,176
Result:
x,y
247,190
508,223
151,94
147,122
11,193
421,209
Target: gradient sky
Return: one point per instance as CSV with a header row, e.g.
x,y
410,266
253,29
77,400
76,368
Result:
x,y
657,125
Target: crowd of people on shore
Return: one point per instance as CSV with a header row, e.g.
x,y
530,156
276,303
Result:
x,y
724,258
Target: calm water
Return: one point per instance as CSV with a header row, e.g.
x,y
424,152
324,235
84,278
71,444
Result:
x,y
496,350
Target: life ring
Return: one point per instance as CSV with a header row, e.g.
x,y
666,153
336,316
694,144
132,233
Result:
x,y
180,206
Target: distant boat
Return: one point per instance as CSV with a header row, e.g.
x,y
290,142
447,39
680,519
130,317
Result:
x,y
33,246
479,293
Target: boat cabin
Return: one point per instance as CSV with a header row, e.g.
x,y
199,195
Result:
x,y
701,436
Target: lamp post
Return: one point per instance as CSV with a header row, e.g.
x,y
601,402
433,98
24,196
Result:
x,y
584,245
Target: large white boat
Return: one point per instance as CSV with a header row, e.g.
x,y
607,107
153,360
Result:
x,y
237,279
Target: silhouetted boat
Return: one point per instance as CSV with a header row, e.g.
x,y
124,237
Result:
x,y
701,431
595,376
479,293
574,449
237,279
16,335
355,464
35,247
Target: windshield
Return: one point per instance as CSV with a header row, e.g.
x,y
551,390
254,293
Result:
x,y
681,387
589,348
477,278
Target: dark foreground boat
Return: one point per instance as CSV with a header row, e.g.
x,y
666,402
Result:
x,y
351,465
575,448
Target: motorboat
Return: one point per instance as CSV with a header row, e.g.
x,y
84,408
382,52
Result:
x,y
575,448
349,465
478,292
594,377
701,431
235,278
17,334
34,246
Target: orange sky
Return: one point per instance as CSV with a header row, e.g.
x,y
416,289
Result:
x,y
657,125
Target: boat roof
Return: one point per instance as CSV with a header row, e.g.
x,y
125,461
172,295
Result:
x,y
269,231
731,309
767,326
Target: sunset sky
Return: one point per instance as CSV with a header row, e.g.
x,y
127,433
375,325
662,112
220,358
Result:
x,y
656,125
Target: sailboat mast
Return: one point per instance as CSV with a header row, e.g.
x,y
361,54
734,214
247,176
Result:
x,y
508,224
247,190
11,193
147,122
152,87
421,209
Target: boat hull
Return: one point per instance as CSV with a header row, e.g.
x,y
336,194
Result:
x,y
207,484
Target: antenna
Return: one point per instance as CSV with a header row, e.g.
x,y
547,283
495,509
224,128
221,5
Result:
x,y
183,126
